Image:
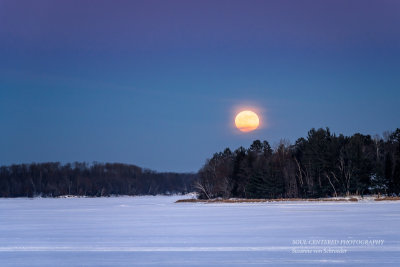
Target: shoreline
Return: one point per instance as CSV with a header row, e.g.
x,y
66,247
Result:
x,y
245,200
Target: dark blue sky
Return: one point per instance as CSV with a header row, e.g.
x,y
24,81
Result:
x,y
156,83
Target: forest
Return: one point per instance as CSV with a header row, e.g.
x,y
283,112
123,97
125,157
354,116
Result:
x,y
82,179
321,165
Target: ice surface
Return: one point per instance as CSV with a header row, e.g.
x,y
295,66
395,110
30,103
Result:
x,y
126,231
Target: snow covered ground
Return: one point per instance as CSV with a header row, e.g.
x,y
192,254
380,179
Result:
x,y
126,231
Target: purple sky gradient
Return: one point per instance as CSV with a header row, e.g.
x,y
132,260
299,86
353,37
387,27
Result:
x,y
154,83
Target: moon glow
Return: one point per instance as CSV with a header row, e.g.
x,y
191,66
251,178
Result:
x,y
247,121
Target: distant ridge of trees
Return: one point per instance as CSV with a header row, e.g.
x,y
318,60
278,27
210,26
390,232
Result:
x,y
320,165
54,179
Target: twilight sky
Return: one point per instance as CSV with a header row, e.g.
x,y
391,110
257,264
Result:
x,y
156,83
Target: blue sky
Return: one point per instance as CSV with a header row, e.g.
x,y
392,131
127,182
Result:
x,y
156,83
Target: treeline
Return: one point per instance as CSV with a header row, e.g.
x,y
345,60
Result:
x,y
54,179
321,165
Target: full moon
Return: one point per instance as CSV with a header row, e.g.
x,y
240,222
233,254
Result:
x,y
247,121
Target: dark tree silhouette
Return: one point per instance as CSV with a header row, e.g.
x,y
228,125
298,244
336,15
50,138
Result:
x,y
323,164
53,179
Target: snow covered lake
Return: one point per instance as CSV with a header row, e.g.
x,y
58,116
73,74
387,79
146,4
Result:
x,y
126,231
